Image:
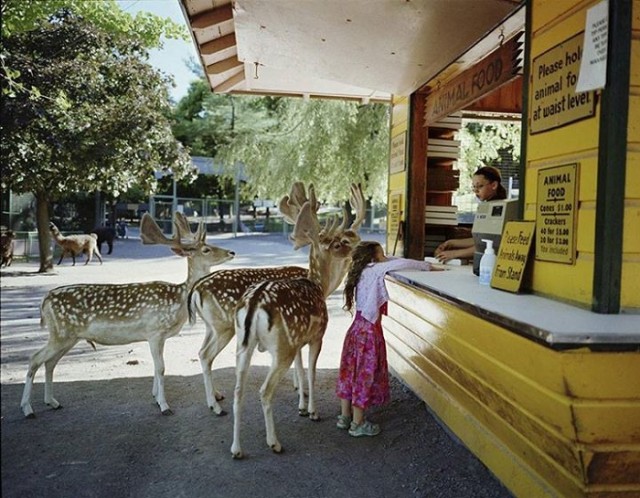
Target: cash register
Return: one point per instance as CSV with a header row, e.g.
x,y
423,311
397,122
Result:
x,y
489,223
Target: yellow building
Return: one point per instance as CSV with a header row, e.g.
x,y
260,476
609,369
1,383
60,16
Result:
x,y
541,381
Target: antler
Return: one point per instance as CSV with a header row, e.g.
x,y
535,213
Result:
x,y
291,205
307,228
358,203
150,232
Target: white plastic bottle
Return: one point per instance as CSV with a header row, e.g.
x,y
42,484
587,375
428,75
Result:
x,y
487,262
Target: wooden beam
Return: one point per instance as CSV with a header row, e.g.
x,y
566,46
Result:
x,y
229,83
223,65
212,17
416,179
222,43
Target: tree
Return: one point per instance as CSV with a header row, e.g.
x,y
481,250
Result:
x,y
19,16
280,140
486,143
99,120
329,143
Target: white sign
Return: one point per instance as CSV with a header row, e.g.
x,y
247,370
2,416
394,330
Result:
x,y
593,67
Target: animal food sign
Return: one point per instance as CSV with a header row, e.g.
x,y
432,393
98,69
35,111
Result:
x,y
556,214
553,98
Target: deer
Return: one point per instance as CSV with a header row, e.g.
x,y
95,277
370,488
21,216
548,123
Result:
x,y
282,316
213,298
7,246
116,314
73,245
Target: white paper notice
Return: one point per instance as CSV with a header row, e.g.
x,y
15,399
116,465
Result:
x,y
593,66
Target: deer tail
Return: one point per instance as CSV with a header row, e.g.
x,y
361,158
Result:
x,y
254,301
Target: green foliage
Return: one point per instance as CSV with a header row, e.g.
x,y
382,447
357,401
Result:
x,y
106,128
486,144
281,140
96,118
20,16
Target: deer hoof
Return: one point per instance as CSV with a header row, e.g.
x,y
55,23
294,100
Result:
x,y
303,412
277,448
168,411
31,415
222,413
238,455
314,417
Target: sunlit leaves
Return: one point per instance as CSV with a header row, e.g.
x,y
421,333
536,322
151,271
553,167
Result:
x,y
483,143
98,119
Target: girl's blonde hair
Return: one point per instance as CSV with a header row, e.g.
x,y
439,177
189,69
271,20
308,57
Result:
x,y
363,254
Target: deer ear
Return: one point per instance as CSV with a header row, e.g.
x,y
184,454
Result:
x,y
181,251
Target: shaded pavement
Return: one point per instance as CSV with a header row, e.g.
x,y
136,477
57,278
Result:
x,y
111,441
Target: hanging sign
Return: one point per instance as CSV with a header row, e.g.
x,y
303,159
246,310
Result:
x,y
398,153
553,98
496,69
593,67
515,245
556,214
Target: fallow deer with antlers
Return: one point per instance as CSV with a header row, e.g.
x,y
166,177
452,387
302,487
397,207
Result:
x,y
283,316
215,296
115,314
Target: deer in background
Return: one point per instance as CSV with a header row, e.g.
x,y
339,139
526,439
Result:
x,y
74,245
116,314
7,246
282,316
215,296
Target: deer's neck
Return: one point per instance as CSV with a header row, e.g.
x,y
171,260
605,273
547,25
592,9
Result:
x,y
194,273
321,270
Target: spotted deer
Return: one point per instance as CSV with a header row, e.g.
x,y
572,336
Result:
x,y
215,296
282,316
114,314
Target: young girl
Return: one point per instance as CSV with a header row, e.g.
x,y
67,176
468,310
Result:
x,y
364,376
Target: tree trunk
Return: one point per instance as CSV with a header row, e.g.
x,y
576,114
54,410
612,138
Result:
x,y
99,209
44,235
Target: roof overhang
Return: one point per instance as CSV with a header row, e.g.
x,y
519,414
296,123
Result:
x,y
351,49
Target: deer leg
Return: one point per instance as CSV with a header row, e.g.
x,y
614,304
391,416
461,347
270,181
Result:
x,y
39,357
157,352
314,352
98,255
36,360
243,362
298,378
50,365
61,256
279,366
213,343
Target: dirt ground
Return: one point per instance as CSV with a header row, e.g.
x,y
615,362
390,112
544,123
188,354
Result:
x,y
110,439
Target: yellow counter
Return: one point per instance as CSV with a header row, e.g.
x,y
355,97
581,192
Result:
x,y
547,395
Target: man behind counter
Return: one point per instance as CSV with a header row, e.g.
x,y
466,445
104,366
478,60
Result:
x,y
487,185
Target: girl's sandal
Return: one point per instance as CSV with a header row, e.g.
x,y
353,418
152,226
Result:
x,y
344,422
366,428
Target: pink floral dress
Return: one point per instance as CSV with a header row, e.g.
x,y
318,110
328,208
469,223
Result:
x,y
364,373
